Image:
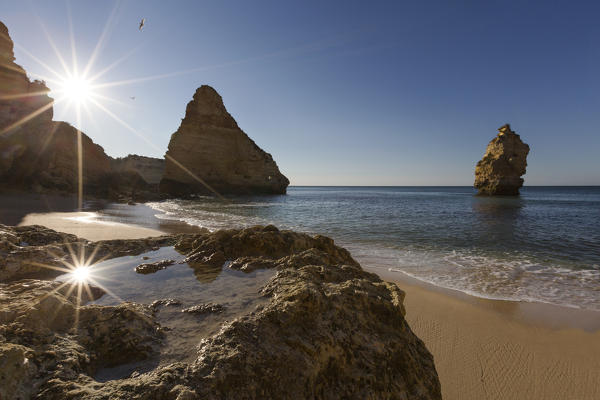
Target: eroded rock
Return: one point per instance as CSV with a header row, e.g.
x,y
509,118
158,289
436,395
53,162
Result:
x,y
150,268
208,308
46,334
156,304
249,264
504,162
209,147
325,328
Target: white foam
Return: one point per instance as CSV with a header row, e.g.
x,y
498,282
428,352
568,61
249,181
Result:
x,y
510,276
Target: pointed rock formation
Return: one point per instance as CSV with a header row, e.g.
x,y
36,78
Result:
x,y
210,146
499,171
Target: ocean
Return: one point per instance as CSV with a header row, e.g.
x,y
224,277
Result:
x,y
543,246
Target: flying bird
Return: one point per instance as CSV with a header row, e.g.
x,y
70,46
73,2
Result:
x,y
142,22
132,97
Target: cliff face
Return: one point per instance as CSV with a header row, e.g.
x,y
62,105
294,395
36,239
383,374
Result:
x,y
211,146
19,97
44,156
504,162
37,153
150,169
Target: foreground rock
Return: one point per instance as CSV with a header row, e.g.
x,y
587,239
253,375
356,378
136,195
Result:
x,y
326,329
499,171
46,336
209,147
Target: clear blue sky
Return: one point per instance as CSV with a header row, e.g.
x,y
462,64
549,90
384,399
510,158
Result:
x,y
346,92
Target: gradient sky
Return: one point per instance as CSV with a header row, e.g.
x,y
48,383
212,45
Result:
x,y
346,92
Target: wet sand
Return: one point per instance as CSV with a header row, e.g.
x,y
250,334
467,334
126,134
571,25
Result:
x,y
487,349
89,225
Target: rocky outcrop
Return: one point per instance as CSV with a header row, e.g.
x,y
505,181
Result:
x,y
150,169
208,154
41,155
150,268
46,335
44,158
209,148
325,329
499,171
20,98
37,153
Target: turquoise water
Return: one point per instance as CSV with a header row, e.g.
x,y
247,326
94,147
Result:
x,y
543,246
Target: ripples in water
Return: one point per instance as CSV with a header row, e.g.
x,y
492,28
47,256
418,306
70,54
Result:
x,y
542,246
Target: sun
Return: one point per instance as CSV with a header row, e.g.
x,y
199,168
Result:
x,y
76,89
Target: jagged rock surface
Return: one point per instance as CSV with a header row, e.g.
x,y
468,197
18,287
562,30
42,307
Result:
x,y
499,171
328,330
45,335
211,146
150,169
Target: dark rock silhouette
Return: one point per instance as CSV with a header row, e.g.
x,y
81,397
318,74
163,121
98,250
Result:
x,y
41,155
504,162
210,146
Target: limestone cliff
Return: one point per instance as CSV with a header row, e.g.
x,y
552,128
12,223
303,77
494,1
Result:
x,y
37,153
499,171
19,97
213,149
150,169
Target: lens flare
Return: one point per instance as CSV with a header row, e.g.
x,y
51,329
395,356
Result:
x,y
81,274
76,89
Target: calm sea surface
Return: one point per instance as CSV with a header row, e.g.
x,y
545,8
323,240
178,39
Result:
x,y
543,246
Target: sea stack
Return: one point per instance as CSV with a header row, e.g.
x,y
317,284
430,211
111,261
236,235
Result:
x,y
210,149
504,162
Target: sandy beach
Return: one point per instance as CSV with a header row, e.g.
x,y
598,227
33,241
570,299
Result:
x,y
483,349
89,226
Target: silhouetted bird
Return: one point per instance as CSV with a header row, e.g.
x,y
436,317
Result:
x,y
142,22
132,97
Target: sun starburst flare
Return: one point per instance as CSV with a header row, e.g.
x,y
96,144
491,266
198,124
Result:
x,y
82,275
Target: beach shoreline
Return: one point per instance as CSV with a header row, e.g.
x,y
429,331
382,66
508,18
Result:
x,y
484,351
89,225
482,348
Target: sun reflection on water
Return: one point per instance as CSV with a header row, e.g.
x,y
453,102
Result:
x,y
81,274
